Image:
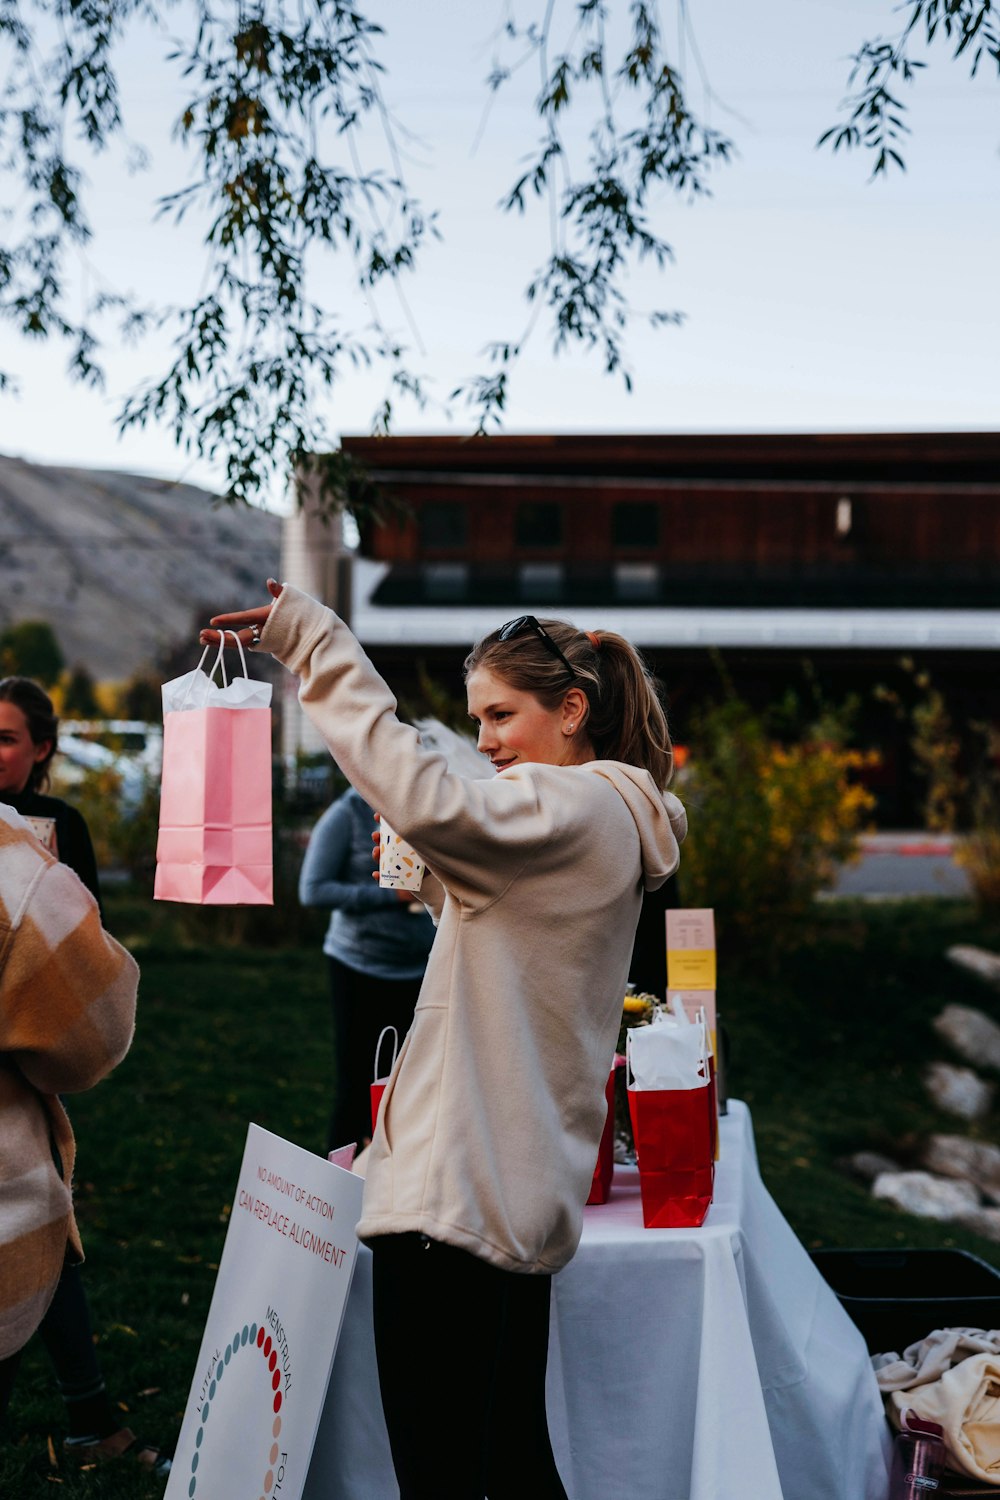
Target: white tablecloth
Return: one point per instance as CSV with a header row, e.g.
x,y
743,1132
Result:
x,y
702,1364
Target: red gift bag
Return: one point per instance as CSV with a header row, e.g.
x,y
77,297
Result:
x,y
675,1148
605,1170
378,1084
673,1144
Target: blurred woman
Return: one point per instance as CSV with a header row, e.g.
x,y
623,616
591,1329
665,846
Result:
x,y
29,731
376,948
29,735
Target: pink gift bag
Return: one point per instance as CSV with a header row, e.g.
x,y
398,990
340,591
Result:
x,y
214,846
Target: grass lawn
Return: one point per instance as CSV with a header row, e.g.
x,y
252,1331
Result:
x,y
827,1048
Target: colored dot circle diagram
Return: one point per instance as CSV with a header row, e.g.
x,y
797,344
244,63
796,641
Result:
x,y
255,1339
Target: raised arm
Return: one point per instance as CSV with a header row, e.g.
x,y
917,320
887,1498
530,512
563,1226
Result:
x,y
475,834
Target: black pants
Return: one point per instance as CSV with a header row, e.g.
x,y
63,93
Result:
x,y
462,1349
66,1333
8,1374
361,1007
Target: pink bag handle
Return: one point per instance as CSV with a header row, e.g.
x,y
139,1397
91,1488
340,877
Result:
x,y
378,1048
220,661
239,647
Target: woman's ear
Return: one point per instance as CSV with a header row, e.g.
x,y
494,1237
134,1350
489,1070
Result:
x,y
574,711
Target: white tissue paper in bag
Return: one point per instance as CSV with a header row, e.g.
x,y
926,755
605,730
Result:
x,y
196,689
667,1055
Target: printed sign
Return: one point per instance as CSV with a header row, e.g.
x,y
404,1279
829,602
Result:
x,y
691,949
265,1359
695,1001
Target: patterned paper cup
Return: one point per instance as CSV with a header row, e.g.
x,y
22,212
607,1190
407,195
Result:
x,y
400,866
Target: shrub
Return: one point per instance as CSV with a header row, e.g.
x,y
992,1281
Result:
x,y
938,749
979,851
97,794
30,649
960,767
769,821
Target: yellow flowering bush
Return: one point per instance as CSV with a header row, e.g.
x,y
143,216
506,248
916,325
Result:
x,y
979,855
769,820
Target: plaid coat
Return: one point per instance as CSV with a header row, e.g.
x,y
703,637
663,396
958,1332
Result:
x,y
67,1010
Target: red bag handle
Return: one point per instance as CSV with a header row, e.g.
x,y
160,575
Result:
x,y
378,1048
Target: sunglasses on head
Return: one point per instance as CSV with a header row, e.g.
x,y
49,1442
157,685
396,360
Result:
x,y
526,623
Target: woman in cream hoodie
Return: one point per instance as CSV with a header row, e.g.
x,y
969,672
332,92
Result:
x,y
489,1127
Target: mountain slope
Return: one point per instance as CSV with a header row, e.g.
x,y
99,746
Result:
x,y
121,565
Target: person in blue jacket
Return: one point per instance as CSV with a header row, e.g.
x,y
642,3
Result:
x,y
376,947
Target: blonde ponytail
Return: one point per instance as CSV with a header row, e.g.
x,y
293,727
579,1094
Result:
x,y
627,721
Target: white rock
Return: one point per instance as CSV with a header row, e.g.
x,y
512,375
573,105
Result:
x,y
984,1221
979,961
867,1165
925,1196
973,1034
958,1091
956,1156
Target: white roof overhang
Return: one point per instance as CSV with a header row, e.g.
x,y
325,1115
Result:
x,y
650,626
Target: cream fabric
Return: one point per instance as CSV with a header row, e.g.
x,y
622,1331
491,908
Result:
x,y
966,1401
929,1358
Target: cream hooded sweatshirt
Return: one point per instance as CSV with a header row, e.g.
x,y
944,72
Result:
x,y
490,1124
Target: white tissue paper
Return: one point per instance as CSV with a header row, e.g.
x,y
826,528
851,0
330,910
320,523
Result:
x,y
197,690
670,1053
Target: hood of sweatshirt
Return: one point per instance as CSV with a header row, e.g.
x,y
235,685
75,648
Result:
x,y
659,817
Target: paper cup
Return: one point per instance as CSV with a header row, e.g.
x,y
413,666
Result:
x,y
400,866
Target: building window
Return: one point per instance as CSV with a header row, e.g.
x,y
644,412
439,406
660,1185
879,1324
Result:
x,y
635,523
636,583
541,583
539,525
442,525
445,582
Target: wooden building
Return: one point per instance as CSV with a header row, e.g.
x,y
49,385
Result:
x,y
849,550
830,521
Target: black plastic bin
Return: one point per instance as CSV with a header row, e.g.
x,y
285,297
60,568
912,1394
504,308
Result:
x,y
897,1297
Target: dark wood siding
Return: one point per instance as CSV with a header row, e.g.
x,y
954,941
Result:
x,y
924,500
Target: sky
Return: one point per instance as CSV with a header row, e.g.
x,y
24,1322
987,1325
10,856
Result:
x,y
813,298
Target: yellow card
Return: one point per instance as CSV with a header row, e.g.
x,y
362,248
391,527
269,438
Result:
x,y
691,968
